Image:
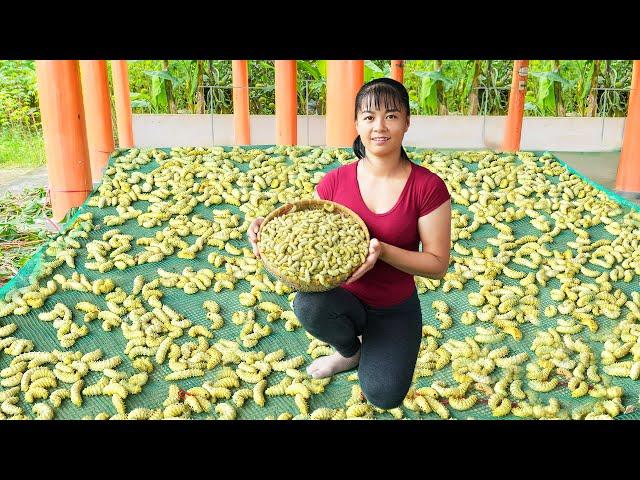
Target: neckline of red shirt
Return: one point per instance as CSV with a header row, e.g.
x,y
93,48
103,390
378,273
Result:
x,y
404,190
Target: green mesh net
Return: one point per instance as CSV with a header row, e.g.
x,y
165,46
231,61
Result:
x,y
338,391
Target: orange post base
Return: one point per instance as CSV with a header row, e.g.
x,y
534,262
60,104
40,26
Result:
x,y
97,108
64,132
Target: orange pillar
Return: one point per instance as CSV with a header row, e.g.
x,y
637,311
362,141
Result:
x,y
240,75
397,70
628,176
344,79
513,128
356,75
286,103
123,102
65,135
97,108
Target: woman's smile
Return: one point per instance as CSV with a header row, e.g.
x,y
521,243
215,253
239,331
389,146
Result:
x,y
380,140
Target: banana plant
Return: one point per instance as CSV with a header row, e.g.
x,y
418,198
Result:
x,y
373,71
470,85
198,85
312,86
494,89
140,101
546,95
158,97
612,98
189,91
217,75
557,91
262,94
428,92
582,71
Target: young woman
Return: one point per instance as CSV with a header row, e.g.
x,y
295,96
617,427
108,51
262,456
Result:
x,y
374,318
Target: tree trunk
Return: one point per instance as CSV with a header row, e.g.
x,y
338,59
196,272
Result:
x,y
169,88
592,101
200,107
442,106
473,93
607,84
490,82
557,91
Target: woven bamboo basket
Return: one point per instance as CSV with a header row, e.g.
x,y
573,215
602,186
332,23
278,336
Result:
x,y
312,204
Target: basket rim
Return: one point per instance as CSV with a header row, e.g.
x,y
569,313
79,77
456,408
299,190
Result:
x,y
307,204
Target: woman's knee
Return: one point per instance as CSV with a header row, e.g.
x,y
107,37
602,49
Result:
x,y
384,393
311,308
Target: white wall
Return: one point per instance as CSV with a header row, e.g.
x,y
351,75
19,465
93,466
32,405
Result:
x,y
452,131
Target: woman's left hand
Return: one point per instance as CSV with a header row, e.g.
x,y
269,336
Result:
x,y
374,252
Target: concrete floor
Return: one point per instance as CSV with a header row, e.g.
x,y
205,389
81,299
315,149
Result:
x,y
601,167
16,179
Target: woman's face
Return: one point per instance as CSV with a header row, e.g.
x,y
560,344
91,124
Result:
x,y
382,130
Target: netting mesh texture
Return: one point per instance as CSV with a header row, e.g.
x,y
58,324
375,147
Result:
x,y
338,391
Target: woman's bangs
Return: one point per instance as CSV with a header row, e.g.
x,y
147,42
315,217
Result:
x,y
381,97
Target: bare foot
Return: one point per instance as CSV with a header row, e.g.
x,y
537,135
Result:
x,y
331,364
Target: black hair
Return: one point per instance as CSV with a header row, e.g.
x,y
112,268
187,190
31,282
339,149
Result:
x,y
381,91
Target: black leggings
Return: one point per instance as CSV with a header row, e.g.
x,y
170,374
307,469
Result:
x,y
390,338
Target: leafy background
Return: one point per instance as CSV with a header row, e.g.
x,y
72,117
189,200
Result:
x,y
436,87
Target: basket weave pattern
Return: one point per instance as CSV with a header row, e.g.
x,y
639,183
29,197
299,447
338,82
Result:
x,y
312,204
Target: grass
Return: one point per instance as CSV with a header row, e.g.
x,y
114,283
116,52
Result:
x,y
21,148
22,228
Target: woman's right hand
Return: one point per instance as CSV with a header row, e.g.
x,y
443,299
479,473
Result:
x,y
252,233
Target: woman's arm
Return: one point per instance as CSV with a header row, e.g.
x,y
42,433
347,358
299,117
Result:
x,y
435,235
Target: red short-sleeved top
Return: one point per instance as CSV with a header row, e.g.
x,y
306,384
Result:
x,y
424,191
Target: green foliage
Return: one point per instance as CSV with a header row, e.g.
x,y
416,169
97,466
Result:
x,y
312,87
495,83
546,99
262,90
218,99
18,94
21,147
147,79
575,77
428,100
376,69
22,229
579,73
615,74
